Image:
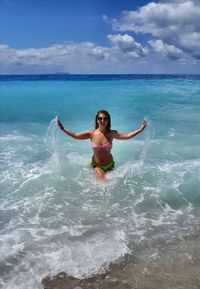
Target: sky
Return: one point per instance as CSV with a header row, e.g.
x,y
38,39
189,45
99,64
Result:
x,y
99,36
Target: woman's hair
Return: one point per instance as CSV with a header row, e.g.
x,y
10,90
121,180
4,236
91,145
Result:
x,y
108,126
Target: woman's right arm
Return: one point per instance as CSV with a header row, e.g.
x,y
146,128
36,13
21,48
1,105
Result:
x,y
81,136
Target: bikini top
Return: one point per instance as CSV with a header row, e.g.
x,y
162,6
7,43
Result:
x,y
106,146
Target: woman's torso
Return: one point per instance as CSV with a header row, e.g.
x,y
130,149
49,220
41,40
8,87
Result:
x,y
102,145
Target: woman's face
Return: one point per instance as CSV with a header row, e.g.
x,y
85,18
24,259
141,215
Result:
x,y
102,120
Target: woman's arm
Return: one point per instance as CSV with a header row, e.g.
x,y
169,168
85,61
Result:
x,y
122,136
82,135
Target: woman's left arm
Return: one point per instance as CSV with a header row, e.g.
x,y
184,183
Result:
x,y
121,136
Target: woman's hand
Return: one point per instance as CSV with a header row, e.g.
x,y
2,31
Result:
x,y
143,124
60,124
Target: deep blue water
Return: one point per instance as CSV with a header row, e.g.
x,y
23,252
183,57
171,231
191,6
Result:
x,y
94,77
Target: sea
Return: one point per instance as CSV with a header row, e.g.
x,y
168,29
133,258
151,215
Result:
x,y
56,216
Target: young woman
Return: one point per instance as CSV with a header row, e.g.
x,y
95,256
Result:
x,y
101,139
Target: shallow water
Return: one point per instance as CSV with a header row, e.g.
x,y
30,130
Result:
x,y
57,217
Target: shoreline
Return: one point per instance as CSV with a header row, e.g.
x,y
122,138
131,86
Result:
x,y
178,267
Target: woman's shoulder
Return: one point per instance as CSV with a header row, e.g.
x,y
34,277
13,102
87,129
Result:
x,y
92,132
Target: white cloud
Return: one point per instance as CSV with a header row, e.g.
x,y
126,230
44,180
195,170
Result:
x,y
100,53
73,57
170,51
64,57
176,23
126,45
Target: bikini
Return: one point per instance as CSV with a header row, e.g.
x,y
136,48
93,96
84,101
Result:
x,y
106,147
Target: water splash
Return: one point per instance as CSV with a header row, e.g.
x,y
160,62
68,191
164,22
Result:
x,y
149,136
51,138
52,144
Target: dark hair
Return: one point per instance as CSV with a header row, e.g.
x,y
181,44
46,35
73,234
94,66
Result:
x,y
108,127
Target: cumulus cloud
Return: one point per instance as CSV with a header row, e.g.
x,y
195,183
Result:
x,y
54,54
174,22
72,57
170,51
61,57
126,45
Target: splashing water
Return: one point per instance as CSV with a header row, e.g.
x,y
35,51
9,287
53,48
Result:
x,y
56,216
51,137
149,136
60,155
51,141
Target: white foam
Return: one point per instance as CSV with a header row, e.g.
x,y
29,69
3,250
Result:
x,y
59,217
76,258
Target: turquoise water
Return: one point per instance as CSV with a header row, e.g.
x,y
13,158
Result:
x,y
55,215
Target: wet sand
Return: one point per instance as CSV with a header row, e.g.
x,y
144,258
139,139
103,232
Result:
x,y
177,267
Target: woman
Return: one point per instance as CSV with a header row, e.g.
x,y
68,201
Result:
x,y
101,138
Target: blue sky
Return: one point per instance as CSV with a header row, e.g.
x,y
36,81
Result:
x,y
100,36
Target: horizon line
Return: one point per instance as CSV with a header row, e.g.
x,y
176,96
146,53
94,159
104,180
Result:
x,y
71,74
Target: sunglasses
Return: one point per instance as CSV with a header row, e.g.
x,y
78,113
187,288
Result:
x,y
103,118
